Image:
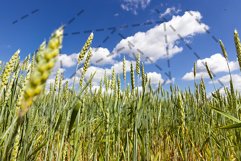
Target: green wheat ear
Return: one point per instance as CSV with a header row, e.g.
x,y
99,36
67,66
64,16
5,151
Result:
x,y
56,82
138,57
113,80
85,48
8,69
124,68
119,86
132,78
208,70
203,90
194,70
25,63
86,65
106,81
41,71
224,52
143,79
238,46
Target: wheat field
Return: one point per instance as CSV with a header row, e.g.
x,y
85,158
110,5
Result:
x,y
62,123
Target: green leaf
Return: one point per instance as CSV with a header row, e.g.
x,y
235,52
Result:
x,y
73,116
232,126
227,115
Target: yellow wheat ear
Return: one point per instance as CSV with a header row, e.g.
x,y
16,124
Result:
x,y
41,71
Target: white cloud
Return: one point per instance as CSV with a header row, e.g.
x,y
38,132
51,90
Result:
x,y
134,5
189,76
217,64
236,79
101,56
63,62
155,78
170,81
170,11
116,14
152,42
68,60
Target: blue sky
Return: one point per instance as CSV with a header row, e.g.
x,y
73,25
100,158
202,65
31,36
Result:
x,y
24,25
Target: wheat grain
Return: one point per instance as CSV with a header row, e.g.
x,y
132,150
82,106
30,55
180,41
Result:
x,y
138,64
194,70
208,70
8,69
224,52
132,78
86,65
85,48
238,46
42,71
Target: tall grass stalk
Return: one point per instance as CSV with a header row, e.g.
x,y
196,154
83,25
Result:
x,y
56,122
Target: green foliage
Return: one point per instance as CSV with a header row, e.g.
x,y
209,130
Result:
x,y
118,124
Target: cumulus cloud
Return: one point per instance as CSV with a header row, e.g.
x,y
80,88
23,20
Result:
x,y
134,5
68,60
152,42
170,11
226,79
217,64
101,56
236,79
155,78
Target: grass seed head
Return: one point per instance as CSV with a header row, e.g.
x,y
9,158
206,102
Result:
x,y
138,63
132,78
208,70
86,65
38,77
119,86
124,68
85,48
194,70
238,46
224,52
56,82
143,76
9,68
113,80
